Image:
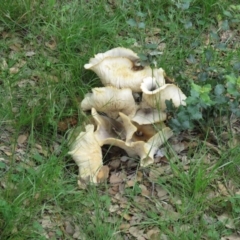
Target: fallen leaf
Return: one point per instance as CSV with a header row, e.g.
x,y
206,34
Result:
x,y
226,220
124,226
222,189
103,174
161,193
15,47
153,234
231,237
3,64
113,208
69,228
137,233
51,44
179,147
155,173
13,70
30,54
114,178
145,191
22,138
114,164
126,216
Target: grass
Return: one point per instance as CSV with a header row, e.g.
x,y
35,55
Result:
x,y
44,45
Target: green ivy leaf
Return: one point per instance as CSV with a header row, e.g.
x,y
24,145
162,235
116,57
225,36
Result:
x,y
219,89
132,22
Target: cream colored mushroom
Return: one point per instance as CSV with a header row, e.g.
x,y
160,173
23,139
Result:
x,y
107,128
87,154
147,150
112,132
117,68
111,101
155,95
146,131
149,115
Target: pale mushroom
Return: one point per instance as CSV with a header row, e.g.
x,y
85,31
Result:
x,y
146,131
149,115
147,150
117,68
107,128
130,129
155,95
114,133
111,101
87,154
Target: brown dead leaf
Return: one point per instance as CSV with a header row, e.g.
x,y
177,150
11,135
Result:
x,y
137,233
179,147
155,173
231,237
15,47
77,235
227,221
114,208
222,189
51,44
114,164
126,216
103,174
13,70
30,54
69,228
161,193
22,138
124,226
153,234
114,179
46,222
130,183
6,150
139,176
144,189
53,78
3,64
67,123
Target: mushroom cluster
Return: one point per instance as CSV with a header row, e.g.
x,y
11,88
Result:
x,y
128,111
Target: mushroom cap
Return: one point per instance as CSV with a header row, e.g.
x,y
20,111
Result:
x,y
117,68
146,131
149,115
147,150
111,101
88,159
156,95
115,52
106,128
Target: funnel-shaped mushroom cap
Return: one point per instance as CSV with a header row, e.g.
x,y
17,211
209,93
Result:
x,y
115,52
147,150
112,132
129,128
111,101
149,115
87,154
156,95
117,68
146,131
110,128
107,128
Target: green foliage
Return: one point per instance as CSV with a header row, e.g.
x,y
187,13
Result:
x,y
205,102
